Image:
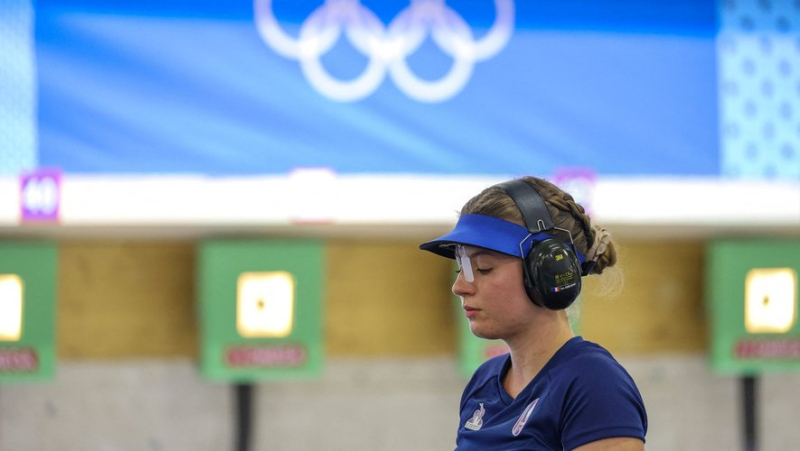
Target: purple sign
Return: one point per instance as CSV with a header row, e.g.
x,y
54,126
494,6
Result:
x,y
40,195
579,182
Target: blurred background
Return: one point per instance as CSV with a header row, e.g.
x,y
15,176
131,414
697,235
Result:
x,y
210,212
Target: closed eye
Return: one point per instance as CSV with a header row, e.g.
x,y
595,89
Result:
x,y
485,270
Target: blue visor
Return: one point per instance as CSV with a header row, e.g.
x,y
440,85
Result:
x,y
487,232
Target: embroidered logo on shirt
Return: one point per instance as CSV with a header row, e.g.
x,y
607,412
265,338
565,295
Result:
x,y
476,421
524,418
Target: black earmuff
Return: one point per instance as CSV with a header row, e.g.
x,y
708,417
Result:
x,y
551,270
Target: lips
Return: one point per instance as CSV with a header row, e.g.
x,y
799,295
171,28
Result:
x,y
470,312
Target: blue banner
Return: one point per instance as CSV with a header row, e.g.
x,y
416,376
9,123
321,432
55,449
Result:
x,y
17,88
491,87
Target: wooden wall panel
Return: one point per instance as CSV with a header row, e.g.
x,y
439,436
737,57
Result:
x,y
660,306
119,299
387,298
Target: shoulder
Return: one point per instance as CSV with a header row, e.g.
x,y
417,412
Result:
x,y
600,398
591,374
589,361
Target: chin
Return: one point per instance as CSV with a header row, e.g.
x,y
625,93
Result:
x,y
482,333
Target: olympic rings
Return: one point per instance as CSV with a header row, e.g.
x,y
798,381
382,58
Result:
x,y
386,47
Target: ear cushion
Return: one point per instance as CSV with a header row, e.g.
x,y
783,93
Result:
x,y
553,275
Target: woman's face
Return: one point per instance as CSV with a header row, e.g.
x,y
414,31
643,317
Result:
x,y
494,302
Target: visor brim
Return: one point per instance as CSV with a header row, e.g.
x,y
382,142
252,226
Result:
x,y
485,232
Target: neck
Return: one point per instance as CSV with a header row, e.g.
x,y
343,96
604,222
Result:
x,y
531,351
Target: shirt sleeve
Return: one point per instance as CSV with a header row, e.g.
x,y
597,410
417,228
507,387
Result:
x,y
602,401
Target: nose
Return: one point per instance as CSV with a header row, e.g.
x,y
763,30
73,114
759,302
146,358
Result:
x,y
461,287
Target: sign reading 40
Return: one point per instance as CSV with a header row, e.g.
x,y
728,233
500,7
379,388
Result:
x,y
40,196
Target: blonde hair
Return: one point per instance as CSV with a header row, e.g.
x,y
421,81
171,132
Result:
x,y
592,241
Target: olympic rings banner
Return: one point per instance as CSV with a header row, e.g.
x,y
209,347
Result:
x,y
496,87
387,47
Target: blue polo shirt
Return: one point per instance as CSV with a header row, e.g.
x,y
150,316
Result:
x,y
581,395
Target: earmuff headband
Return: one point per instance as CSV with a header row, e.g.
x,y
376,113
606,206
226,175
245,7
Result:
x,y
530,204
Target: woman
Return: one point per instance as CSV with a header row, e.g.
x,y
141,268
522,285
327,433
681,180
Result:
x,y
522,248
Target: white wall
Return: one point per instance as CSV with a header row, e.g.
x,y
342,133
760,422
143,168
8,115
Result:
x,y
326,204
